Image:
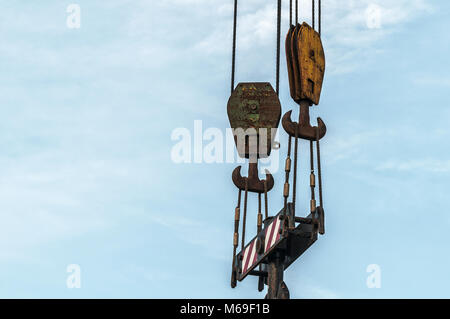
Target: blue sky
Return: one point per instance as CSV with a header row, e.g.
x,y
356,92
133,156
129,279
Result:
x,y
86,175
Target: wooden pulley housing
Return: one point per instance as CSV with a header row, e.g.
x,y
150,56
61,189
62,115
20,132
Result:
x,y
305,62
254,111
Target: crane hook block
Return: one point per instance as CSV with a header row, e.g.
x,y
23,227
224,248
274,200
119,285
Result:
x,y
305,62
254,111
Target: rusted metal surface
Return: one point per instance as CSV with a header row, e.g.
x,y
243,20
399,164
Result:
x,y
305,62
293,242
321,217
254,184
300,238
289,61
254,111
275,270
303,129
306,68
237,216
311,58
296,63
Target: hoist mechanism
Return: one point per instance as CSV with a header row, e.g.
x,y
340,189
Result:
x,y
254,112
306,68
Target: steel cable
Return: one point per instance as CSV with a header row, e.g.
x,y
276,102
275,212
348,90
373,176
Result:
x,y
313,14
278,47
233,61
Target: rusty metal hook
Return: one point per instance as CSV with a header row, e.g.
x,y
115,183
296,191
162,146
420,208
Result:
x,y
255,185
304,128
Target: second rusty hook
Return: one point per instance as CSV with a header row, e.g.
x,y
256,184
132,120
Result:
x,y
304,129
254,184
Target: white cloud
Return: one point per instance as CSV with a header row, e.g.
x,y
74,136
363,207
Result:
x,y
195,232
434,80
78,183
425,165
348,40
320,293
349,146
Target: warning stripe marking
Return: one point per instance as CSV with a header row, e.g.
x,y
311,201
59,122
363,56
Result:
x,y
250,257
272,234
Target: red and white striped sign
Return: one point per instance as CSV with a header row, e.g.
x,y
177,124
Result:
x,y
272,234
250,257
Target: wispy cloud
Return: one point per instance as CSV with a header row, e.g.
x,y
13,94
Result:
x,y
87,115
195,232
347,34
349,40
317,292
434,80
425,165
349,145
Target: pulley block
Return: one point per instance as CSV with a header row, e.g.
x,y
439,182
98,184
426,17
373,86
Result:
x,y
306,63
254,111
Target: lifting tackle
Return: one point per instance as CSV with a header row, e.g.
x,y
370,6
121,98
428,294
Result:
x,y
254,112
305,59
